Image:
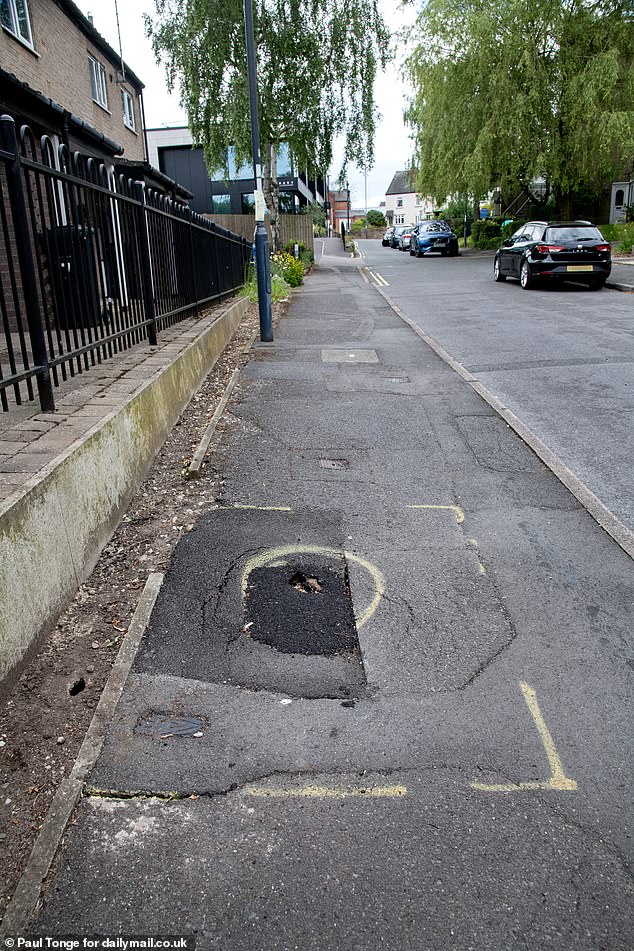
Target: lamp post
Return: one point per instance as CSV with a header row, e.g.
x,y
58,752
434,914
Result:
x,y
262,263
365,186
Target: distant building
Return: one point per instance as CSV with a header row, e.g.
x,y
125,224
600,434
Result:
x,y
622,201
60,77
403,205
339,210
172,150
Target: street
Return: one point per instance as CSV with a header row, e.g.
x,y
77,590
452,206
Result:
x,y
384,697
560,358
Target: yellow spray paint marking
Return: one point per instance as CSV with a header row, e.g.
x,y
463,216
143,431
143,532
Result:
x,y
558,779
457,511
325,792
472,542
280,556
262,508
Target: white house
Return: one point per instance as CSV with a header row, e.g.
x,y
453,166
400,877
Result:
x,y
403,206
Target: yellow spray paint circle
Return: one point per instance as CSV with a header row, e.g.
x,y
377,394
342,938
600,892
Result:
x,y
281,554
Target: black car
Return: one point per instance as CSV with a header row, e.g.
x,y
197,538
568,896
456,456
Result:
x,y
555,250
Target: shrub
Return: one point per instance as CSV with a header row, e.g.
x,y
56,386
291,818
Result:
x,y
620,234
280,290
487,234
288,267
289,247
376,219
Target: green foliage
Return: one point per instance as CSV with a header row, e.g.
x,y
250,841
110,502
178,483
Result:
x,y
288,267
504,93
316,65
305,256
280,290
358,225
486,234
376,219
316,211
620,234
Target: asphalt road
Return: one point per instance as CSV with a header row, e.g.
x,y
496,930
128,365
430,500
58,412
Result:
x,y
453,770
562,359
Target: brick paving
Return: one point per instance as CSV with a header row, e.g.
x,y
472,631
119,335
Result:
x,y
30,440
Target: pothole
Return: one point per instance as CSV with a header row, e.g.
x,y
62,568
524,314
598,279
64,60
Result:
x,y
302,582
280,613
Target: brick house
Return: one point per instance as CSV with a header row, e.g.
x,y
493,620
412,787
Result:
x,y
60,76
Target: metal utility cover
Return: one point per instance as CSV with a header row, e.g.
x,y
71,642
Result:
x,y
349,356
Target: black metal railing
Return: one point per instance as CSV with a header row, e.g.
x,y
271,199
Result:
x,y
92,263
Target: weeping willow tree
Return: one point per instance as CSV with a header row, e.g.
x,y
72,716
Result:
x,y
513,91
316,61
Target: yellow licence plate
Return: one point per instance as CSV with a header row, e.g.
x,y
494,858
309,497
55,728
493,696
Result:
x,y
579,267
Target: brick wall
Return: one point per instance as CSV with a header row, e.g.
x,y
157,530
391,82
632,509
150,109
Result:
x,y
59,69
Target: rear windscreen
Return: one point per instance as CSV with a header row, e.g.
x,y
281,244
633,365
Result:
x,y
572,233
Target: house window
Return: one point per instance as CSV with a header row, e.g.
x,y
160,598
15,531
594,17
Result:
x,y
128,110
14,16
98,83
619,197
399,202
221,204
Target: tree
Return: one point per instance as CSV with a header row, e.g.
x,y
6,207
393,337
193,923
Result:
x,y
507,92
376,219
316,63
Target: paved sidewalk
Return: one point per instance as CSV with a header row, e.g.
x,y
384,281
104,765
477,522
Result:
x,y
383,698
30,439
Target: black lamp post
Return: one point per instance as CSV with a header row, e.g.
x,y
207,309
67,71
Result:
x,y
262,263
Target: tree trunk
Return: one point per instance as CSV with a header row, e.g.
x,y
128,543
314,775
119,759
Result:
x,y
271,191
563,204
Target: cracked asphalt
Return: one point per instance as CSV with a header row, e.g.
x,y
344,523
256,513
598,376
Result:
x,y
453,772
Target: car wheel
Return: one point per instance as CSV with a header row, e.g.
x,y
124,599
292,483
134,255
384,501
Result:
x,y
443,254
526,280
597,285
497,274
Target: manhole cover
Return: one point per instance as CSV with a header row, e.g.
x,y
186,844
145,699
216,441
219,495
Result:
x,y
161,726
302,608
334,463
396,379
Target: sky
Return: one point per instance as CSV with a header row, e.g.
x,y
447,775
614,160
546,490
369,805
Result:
x,y
392,145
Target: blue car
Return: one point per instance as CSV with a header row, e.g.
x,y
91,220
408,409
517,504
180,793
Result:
x,y
433,237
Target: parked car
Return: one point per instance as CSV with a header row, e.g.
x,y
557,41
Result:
x,y
405,238
555,250
396,235
387,237
431,236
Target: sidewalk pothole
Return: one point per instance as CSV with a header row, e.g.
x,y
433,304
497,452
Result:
x,y
302,609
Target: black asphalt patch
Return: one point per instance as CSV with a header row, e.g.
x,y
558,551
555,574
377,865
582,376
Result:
x,y
303,609
224,617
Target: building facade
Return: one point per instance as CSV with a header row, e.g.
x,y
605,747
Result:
x,y
403,205
60,76
172,150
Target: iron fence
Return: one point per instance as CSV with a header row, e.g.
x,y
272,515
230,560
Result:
x,y
91,263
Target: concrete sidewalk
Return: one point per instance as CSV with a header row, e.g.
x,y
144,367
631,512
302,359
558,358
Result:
x,y
381,700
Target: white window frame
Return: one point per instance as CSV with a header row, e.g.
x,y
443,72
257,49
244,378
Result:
x,y
399,202
129,119
98,82
14,25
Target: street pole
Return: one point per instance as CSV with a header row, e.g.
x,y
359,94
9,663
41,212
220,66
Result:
x,y
262,262
365,186
348,203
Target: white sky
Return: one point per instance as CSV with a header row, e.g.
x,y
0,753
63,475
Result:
x,y
392,145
